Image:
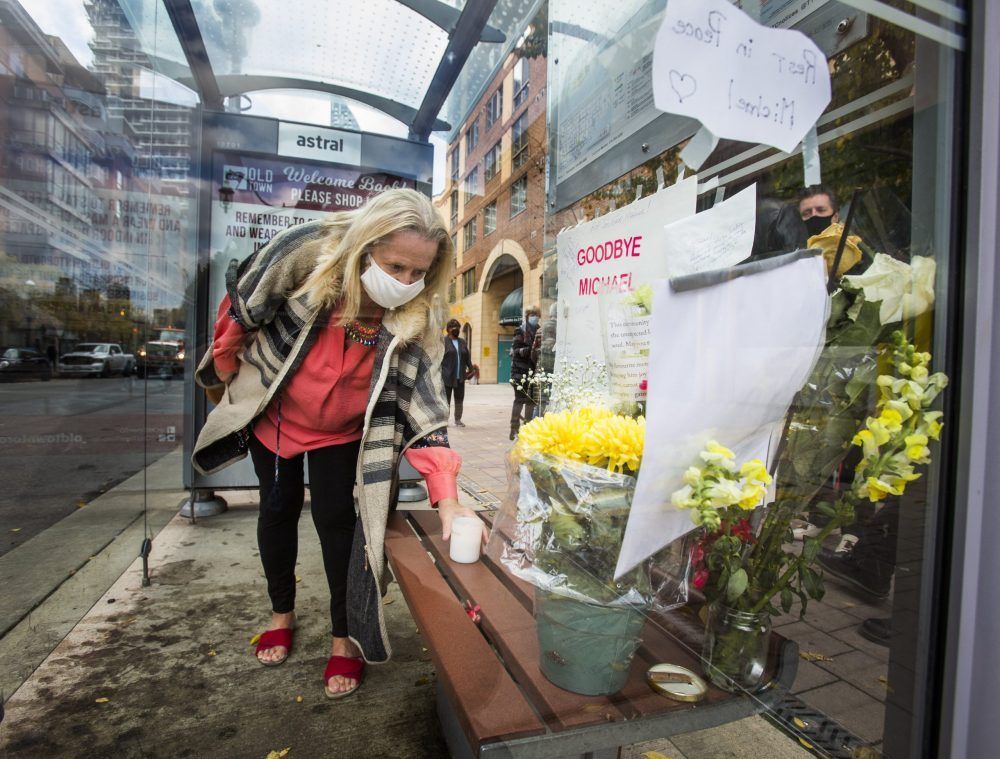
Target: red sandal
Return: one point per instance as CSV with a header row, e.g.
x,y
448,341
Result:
x,y
273,639
352,667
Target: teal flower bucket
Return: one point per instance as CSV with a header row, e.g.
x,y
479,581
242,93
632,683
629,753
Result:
x,y
586,648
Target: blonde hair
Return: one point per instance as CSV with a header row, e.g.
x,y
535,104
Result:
x,y
336,278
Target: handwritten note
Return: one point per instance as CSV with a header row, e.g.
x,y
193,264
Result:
x,y
717,238
742,80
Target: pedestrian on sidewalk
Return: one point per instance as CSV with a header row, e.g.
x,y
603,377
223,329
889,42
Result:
x,y
456,368
524,355
307,323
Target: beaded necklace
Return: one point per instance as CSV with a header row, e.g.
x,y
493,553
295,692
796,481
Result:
x,y
359,332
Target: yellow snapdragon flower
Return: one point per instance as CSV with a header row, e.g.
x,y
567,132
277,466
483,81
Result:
x,y
754,469
916,448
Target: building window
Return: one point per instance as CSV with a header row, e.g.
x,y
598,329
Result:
x,y
472,137
470,234
520,81
493,107
518,196
454,165
490,218
468,282
472,184
493,162
454,247
519,141
454,209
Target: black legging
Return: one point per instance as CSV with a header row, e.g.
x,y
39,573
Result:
x,y
459,392
331,486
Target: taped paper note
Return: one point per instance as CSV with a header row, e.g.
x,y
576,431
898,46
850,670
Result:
x,y
617,252
742,80
725,362
717,238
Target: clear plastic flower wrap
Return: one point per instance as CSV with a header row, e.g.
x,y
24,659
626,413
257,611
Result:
x,y
561,526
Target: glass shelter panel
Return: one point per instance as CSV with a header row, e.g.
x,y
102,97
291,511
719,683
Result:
x,y
97,261
817,608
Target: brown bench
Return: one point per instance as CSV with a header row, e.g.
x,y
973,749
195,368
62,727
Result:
x,y
493,700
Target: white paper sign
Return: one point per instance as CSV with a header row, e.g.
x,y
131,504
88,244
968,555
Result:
x,y
742,80
717,238
617,252
746,346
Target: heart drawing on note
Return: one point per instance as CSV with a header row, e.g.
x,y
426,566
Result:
x,y
684,85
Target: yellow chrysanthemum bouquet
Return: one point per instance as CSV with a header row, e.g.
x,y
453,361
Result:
x,y
573,473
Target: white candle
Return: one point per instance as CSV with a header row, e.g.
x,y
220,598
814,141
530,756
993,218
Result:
x,y
466,538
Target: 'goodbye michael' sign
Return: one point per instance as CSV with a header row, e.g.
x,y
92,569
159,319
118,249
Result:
x,y
742,80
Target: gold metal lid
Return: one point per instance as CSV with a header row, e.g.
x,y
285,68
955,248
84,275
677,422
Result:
x,y
676,682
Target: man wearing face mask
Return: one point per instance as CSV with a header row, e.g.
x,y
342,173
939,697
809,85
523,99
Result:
x,y
456,367
523,353
817,209
326,353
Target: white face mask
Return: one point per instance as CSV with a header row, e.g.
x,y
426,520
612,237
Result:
x,y
385,290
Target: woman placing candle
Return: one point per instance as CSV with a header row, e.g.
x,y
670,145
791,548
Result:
x,y
327,347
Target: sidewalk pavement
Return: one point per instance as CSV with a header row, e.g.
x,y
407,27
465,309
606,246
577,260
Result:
x,y
168,670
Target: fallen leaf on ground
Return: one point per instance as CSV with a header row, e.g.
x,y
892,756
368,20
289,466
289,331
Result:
x,y
423,681
813,656
16,529
298,579
255,639
278,754
298,699
101,700
212,652
655,755
388,601
80,504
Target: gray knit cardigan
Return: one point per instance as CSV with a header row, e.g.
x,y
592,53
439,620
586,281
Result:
x,y
405,402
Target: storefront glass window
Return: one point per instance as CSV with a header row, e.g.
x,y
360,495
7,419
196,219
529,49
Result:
x,y
883,155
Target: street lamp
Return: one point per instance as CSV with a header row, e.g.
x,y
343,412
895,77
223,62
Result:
x,y
232,180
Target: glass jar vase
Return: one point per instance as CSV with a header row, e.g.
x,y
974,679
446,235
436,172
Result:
x,y
734,653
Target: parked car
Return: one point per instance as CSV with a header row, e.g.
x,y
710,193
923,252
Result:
x,y
24,363
97,359
160,358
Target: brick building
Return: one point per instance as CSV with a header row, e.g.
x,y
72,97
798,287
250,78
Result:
x,y
493,201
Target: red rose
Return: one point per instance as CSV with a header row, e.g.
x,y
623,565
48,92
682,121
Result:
x,y
697,554
700,578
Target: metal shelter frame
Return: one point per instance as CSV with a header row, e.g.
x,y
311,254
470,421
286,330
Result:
x,y
465,29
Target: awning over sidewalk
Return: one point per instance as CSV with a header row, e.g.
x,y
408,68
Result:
x,y
512,307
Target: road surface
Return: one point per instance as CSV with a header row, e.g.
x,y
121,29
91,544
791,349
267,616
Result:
x,y
64,442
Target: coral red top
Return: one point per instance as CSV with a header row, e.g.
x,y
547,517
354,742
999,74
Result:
x,y
324,402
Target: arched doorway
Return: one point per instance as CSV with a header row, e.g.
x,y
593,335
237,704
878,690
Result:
x,y
503,302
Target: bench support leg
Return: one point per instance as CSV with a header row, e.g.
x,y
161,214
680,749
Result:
x,y
459,747
458,744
